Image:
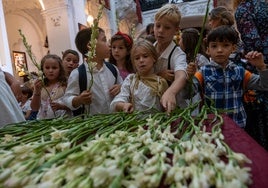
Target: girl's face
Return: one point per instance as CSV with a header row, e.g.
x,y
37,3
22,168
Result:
x,y
70,62
143,61
102,48
51,69
119,50
213,23
220,51
164,30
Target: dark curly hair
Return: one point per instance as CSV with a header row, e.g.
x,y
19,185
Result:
x,y
128,41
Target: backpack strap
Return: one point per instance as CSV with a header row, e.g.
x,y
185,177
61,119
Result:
x,y
246,79
112,68
82,85
198,75
169,57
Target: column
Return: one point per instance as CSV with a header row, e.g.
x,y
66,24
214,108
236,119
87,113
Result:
x,y
5,59
62,23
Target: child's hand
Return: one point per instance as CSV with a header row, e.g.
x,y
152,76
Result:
x,y
256,59
85,97
127,107
167,74
37,86
114,90
191,69
56,106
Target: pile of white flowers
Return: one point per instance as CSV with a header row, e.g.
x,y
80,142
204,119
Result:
x,y
121,150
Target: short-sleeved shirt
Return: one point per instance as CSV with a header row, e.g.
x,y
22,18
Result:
x,y
177,59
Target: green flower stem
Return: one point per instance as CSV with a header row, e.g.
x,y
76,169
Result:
x,y
33,59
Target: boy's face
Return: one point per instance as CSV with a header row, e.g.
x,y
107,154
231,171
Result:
x,y
220,51
164,30
102,47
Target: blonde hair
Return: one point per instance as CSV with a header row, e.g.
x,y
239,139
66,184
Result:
x,y
147,46
171,12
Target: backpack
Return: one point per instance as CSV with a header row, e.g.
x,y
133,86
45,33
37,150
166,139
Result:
x,y
83,82
199,77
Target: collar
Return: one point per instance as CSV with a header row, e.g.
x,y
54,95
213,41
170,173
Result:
x,y
167,51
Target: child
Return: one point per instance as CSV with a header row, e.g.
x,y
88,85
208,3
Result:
x,y
141,91
106,78
25,101
121,45
223,82
188,41
171,64
10,110
220,16
70,61
47,98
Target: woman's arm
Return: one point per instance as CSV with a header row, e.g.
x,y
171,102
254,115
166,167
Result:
x,y
14,85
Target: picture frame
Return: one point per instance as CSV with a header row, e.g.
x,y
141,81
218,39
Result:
x,y
20,62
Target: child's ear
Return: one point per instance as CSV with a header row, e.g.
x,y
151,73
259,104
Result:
x,y
234,47
207,51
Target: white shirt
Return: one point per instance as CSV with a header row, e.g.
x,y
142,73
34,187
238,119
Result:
x,y
103,80
10,110
26,107
142,96
177,60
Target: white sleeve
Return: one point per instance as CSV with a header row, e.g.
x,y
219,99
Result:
x,y
72,89
124,95
178,60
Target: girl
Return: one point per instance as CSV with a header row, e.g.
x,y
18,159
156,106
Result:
x,y
70,61
188,41
220,16
48,99
141,91
121,45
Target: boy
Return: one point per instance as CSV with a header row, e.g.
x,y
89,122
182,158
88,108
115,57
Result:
x,y
171,63
106,79
223,82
